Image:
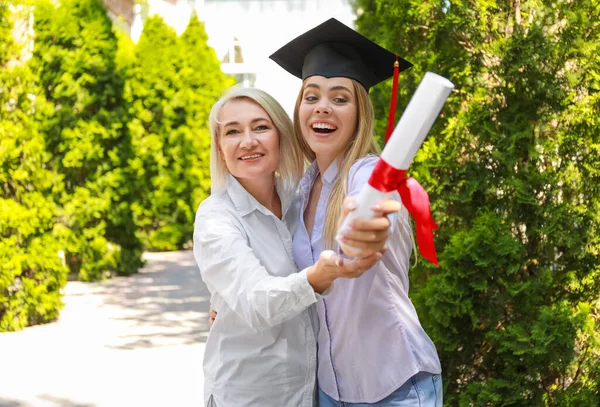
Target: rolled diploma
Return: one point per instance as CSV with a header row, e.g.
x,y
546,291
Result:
x,y
405,141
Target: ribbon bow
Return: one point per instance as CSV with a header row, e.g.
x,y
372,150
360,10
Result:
x,y
386,178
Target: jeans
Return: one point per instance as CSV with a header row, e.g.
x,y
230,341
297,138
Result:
x,y
421,390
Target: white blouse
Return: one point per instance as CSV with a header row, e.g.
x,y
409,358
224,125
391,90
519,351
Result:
x,y
261,350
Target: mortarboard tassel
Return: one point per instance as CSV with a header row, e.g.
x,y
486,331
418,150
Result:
x,y
386,178
392,114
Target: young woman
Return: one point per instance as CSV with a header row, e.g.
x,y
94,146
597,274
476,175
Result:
x,y
372,349
261,351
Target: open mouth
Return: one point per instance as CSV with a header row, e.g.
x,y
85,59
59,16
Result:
x,y
251,157
323,128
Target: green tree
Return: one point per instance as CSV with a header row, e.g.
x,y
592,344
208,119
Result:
x,y
512,169
74,57
170,89
204,83
31,272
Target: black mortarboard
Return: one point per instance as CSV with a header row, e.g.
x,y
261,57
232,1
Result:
x,y
333,49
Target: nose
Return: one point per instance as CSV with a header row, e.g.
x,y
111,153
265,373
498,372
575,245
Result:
x,y
323,106
248,140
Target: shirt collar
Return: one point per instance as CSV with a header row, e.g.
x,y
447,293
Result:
x,y
309,176
245,203
311,173
331,173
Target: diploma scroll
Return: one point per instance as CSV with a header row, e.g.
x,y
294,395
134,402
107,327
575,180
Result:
x,y
396,157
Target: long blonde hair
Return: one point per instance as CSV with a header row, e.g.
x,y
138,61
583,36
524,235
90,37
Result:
x,y
362,144
290,167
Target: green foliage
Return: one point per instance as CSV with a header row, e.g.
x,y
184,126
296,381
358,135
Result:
x,y
74,57
204,84
512,169
31,272
100,141
170,88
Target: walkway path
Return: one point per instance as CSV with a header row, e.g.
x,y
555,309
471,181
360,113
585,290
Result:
x,y
134,342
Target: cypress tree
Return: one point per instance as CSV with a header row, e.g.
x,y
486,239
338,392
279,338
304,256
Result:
x,y
512,168
31,272
170,88
74,57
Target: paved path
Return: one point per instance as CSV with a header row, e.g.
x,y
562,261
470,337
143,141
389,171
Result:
x,y
135,342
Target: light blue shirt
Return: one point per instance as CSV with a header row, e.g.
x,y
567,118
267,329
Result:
x,y
370,339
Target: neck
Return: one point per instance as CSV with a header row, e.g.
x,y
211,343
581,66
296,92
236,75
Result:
x,y
263,190
324,162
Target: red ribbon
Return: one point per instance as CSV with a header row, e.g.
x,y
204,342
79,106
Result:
x,y
386,178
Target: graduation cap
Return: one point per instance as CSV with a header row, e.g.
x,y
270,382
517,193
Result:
x,y
333,49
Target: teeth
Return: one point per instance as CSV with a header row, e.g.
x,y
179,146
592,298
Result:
x,y
323,126
250,157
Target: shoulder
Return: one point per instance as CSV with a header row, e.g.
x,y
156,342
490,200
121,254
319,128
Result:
x,y
362,168
217,209
213,202
366,163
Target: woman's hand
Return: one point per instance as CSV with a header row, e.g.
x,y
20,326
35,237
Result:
x,y
331,266
367,237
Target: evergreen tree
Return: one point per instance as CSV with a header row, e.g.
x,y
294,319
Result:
x,y
74,56
203,84
31,272
170,89
512,169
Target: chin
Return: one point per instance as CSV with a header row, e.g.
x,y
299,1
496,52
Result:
x,y
258,173
327,148
322,144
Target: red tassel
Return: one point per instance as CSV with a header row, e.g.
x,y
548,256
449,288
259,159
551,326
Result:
x,y
392,114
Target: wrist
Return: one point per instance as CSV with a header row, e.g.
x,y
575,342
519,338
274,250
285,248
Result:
x,y
319,278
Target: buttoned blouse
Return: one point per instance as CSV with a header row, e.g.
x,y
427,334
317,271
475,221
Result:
x,y
370,339
261,350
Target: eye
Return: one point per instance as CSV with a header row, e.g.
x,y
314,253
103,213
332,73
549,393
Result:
x,y
340,100
311,98
261,127
231,132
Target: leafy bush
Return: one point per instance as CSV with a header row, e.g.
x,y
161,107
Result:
x,y
90,163
31,272
74,57
513,170
171,86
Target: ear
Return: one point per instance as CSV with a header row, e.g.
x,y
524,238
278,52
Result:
x,y
219,150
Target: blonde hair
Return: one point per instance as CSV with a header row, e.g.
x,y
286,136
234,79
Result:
x,y
290,167
362,144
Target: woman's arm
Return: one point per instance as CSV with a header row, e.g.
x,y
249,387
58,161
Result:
x,y
229,267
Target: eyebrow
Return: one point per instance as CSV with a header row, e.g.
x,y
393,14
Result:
x,y
339,87
258,119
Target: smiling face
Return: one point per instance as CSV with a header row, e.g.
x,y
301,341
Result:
x,y
328,115
248,141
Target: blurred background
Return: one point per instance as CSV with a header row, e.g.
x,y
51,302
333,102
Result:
x,y
104,151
